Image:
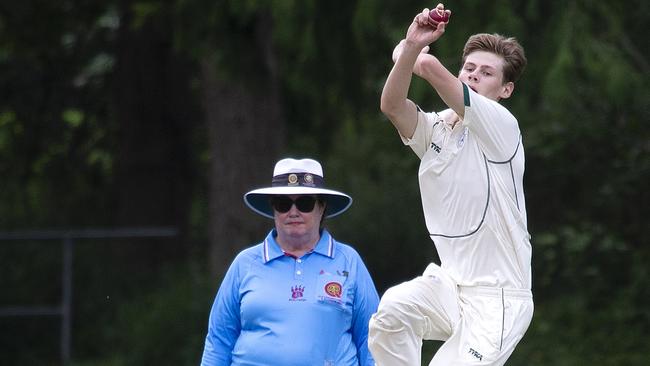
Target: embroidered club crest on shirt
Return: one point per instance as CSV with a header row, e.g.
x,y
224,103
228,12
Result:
x,y
462,138
333,289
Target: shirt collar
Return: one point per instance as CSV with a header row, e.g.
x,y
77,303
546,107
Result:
x,y
271,249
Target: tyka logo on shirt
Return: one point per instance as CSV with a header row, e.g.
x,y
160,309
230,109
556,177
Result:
x,y
297,293
435,147
475,353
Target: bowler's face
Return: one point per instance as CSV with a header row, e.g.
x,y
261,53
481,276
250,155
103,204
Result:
x,y
483,72
296,224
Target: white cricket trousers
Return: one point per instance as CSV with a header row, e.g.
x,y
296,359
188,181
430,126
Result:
x,y
480,325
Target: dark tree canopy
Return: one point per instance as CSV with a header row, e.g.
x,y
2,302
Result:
x,y
143,113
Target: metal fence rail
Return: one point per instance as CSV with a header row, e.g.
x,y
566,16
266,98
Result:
x,y
68,237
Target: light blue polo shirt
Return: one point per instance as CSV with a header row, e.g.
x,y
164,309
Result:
x,y
275,309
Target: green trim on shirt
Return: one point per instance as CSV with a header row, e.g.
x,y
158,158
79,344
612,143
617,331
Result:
x,y
465,95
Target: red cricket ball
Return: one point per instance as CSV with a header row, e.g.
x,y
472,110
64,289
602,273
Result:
x,y
437,16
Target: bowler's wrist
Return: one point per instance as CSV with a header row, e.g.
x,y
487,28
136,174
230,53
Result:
x,y
412,46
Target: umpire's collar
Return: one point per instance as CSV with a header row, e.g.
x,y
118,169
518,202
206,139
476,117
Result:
x,y
272,250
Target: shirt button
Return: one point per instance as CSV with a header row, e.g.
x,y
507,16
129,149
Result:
x,y
299,260
298,272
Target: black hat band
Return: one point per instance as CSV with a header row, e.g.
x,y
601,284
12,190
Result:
x,y
298,180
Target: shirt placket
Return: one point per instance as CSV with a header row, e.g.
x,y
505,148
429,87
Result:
x,y
298,271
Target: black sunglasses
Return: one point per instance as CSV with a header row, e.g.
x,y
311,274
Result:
x,y
283,204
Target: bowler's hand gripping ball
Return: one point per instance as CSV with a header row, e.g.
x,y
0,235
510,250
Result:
x,y
438,16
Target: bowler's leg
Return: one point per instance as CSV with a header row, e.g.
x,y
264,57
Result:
x,y
423,308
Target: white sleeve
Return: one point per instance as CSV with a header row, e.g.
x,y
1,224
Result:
x,y
496,129
421,140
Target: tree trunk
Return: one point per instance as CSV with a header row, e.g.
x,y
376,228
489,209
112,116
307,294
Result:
x,y
246,136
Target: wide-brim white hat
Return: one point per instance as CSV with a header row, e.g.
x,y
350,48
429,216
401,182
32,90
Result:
x,y
297,177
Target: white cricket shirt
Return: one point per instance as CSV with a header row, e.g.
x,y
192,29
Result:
x,y
471,183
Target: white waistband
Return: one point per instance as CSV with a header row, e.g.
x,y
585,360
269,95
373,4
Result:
x,y
495,291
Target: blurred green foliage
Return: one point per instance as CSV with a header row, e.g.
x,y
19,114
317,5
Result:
x,y
583,105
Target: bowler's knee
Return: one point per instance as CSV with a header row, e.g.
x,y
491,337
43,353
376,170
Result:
x,y
391,314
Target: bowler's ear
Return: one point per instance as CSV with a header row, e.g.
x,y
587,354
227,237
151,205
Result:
x,y
507,90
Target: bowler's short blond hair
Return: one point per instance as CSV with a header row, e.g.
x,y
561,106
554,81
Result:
x,y
508,48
